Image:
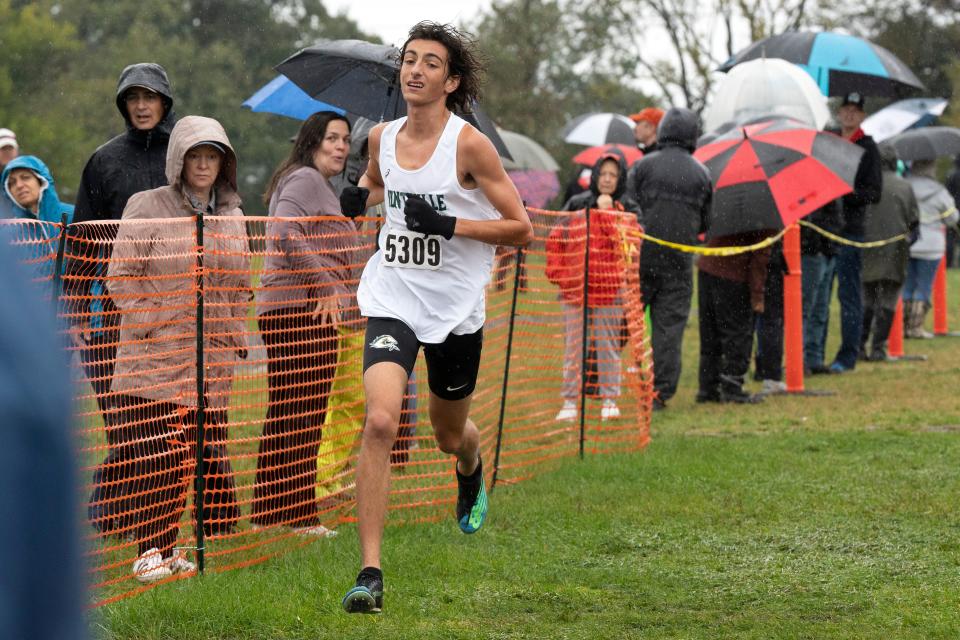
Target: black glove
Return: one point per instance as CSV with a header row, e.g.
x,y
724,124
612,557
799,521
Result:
x,y
422,218
353,201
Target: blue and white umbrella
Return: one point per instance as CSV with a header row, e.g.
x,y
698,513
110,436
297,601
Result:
x,y
900,116
838,63
284,98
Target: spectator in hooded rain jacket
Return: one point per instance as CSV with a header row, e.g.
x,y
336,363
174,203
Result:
x,y
565,249
29,193
129,163
937,210
885,267
151,276
675,193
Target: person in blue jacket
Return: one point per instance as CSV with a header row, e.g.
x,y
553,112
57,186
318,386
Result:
x,y
29,190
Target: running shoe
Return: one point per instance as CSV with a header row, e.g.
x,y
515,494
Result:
x,y
471,500
367,595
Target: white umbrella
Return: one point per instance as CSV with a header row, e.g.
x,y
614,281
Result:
x,y
767,86
593,129
900,116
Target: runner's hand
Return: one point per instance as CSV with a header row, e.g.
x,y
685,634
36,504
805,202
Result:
x,y
353,201
422,218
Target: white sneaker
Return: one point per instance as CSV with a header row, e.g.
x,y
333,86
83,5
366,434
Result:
x,y
180,564
773,386
318,531
567,413
610,411
151,567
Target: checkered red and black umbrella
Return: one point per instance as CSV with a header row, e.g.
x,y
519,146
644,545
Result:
x,y
770,174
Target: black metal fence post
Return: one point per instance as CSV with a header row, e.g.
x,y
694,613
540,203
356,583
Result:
x,y
58,264
585,331
506,366
201,400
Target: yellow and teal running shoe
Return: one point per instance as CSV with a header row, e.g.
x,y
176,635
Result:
x,y
367,595
472,500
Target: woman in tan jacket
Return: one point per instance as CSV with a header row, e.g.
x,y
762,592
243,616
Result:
x,y
153,279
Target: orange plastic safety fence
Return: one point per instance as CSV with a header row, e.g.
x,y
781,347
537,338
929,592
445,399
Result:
x,y
282,398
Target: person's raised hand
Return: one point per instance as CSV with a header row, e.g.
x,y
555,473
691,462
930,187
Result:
x,y
353,201
421,218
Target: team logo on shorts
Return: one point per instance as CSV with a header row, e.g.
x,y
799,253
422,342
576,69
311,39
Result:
x,y
387,342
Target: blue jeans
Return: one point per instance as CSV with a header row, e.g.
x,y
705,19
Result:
x,y
920,277
817,285
850,294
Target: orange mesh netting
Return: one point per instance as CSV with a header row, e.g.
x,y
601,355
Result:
x,y
279,390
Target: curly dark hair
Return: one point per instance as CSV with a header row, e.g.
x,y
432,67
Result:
x,y
464,61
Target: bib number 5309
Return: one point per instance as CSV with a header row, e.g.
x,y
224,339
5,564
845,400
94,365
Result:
x,y
411,250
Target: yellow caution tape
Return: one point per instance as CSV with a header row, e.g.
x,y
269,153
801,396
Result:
x,y
867,245
715,251
732,251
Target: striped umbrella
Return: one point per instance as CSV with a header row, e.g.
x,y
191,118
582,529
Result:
x,y
770,174
838,63
593,129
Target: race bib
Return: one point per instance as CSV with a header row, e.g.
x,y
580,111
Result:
x,y
411,250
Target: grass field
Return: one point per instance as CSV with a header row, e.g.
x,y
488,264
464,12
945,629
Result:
x,y
803,517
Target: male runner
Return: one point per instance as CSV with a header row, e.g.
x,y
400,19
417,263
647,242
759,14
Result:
x,y
448,203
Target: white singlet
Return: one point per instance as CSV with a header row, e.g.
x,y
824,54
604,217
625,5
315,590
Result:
x,y
450,299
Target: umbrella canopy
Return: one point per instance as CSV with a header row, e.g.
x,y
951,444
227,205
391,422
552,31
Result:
x,y
526,153
900,116
589,157
282,97
594,129
770,174
928,143
768,86
537,187
361,77
839,63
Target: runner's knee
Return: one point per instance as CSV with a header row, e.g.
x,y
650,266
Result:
x,y
381,426
449,442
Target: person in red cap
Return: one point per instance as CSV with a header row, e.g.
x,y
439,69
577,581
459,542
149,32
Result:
x,y
647,120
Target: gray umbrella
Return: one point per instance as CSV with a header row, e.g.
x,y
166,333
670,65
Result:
x,y
928,143
527,153
361,77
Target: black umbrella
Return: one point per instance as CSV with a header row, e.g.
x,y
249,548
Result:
x,y
927,143
839,63
362,78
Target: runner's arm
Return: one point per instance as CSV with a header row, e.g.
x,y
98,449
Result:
x,y
478,158
372,179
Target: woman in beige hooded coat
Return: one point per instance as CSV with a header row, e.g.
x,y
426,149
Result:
x,y
153,279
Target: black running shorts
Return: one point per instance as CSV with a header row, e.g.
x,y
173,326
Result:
x,y
452,366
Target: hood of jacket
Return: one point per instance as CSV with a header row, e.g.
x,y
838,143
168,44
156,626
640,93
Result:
x,y
151,76
190,131
925,188
614,154
888,157
50,206
678,128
